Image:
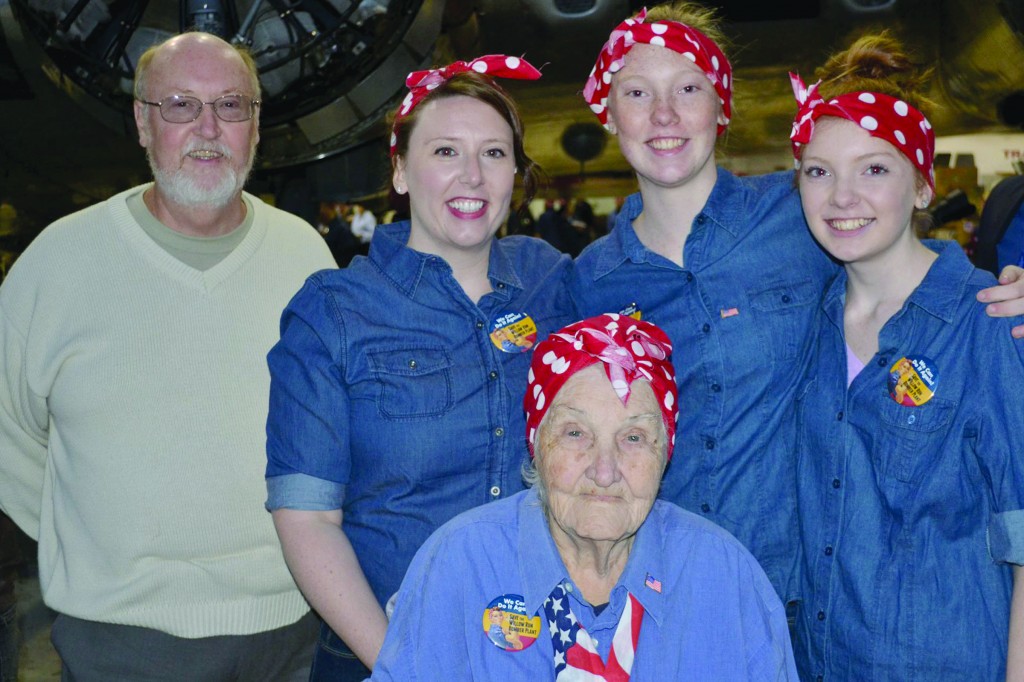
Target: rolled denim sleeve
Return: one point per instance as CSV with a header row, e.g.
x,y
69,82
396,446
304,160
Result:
x,y
1000,442
302,492
1006,537
308,419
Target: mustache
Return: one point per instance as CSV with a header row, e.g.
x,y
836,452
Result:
x,y
207,146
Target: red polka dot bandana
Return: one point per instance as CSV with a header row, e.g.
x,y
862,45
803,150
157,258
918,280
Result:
x,y
420,83
884,117
677,37
630,349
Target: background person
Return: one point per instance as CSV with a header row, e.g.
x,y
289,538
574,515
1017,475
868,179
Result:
x,y
723,264
394,404
134,390
911,479
594,575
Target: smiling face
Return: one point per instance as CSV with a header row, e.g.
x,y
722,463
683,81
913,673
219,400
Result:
x,y
665,113
203,163
858,192
600,462
459,171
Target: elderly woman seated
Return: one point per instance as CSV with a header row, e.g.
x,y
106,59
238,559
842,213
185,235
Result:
x,y
586,576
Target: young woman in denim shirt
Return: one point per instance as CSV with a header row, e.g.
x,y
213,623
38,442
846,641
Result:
x,y
911,479
723,264
396,394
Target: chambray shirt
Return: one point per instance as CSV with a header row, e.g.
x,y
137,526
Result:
x,y
716,616
1010,249
738,313
389,400
900,581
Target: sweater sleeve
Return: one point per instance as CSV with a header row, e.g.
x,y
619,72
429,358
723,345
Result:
x,y
24,424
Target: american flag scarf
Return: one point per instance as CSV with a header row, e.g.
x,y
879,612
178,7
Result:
x,y
576,657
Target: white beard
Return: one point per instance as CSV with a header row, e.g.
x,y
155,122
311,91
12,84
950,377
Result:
x,y
187,189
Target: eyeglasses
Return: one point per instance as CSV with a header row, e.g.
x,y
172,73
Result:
x,y
185,109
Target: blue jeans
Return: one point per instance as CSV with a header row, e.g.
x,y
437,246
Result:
x,y
334,661
10,642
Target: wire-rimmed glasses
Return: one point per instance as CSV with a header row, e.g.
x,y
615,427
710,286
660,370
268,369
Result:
x,y
185,109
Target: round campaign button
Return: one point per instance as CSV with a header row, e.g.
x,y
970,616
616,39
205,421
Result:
x,y
507,624
513,332
631,310
912,380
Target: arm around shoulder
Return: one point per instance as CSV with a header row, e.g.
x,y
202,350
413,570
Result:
x,y
1007,298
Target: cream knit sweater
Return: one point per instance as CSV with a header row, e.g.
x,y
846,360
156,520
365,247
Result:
x,y
133,399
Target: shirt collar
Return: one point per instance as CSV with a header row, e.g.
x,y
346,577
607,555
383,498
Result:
x,y
943,287
540,564
724,209
500,269
406,267
623,242
647,560
939,293
541,567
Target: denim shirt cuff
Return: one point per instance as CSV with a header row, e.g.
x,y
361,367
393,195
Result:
x,y
1006,537
303,492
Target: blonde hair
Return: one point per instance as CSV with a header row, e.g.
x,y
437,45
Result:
x,y
704,19
876,63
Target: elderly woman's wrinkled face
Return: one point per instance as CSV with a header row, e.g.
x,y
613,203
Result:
x,y
600,461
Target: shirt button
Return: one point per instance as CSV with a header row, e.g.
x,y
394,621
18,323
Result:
x,y
700,219
839,416
715,388
689,277
479,324
493,374
412,364
820,678
495,491
499,432
706,328
705,507
709,444
821,615
501,285
835,483
828,551
882,362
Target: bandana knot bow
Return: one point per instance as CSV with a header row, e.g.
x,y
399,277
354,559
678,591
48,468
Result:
x,y
882,116
421,83
628,350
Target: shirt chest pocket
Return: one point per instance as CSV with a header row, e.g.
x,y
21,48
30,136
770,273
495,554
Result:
x,y
786,310
910,445
414,382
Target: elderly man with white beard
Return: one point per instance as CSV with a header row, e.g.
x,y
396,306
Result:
x,y
134,389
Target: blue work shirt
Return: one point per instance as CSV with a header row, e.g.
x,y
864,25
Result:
x,y
895,501
738,313
389,400
1010,249
716,616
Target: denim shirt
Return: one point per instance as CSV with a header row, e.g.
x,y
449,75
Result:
x,y
389,400
680,569
895,501
738,313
